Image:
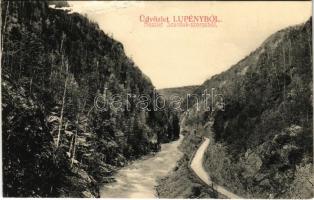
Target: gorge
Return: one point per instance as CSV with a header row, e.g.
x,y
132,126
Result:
x,y
59,141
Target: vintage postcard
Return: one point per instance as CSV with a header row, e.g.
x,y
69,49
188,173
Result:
x,y
157,99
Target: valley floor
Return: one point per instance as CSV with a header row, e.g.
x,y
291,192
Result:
x,y
138,180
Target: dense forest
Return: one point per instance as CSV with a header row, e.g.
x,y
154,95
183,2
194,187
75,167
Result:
x,y
262,142
55,143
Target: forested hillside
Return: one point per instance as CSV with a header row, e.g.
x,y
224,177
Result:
x,y
55,142
262,144
178,91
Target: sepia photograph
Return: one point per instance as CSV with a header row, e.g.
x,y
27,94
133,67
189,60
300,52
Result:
x,y
157,99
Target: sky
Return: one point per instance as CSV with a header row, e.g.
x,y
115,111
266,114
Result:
x,y
181,56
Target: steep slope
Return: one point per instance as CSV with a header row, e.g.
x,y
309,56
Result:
x,y
56,140
262,141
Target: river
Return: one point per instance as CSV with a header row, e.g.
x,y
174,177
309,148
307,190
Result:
x,y
138,180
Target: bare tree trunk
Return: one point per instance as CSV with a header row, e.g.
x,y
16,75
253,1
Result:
x,y
310,44
63,102
74,145
61,46
284,79
4,25
20,68
71,146
290,57
30,85
74,149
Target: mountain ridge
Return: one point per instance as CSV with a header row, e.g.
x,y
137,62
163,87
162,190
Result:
x,y
56,142
261,142
262,96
